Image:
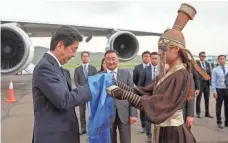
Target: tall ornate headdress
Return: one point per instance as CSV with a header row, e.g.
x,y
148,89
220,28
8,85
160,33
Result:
x,y
175,38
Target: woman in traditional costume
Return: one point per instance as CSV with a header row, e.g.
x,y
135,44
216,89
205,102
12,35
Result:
x,y
163,101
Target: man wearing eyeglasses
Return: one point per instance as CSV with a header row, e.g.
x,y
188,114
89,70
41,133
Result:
x,y
204,86
124,113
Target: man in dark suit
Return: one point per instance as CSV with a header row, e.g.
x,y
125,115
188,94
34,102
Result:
x,y
55,120
188,111
136,75
81,74
204,86
146,77
125,114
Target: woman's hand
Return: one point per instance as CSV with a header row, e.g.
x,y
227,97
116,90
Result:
x,y
115,92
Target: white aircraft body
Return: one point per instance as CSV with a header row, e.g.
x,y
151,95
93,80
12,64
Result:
x,y
18,51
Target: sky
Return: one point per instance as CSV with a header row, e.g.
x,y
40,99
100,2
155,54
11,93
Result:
x,y
208,31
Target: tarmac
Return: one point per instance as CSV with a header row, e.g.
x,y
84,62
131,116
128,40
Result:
x,y
17,118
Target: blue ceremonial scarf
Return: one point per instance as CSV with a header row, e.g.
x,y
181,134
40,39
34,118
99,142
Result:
x,y
100,109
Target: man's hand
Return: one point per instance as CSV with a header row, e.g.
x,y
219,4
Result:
x,y
189,121
197,92
215,95
132,120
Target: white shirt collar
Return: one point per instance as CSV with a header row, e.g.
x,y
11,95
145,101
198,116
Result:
x,y
154,66
203,62
144,65
85,64
50,53
223,66
112,70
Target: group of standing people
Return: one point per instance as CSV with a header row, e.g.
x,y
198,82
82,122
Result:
x,y
218,87
162,98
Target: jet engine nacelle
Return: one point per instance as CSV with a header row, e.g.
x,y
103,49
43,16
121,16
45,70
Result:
x,y
17,50
125,43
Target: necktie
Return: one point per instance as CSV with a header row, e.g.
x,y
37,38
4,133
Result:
x,y
61,68
85,71
154,72
223,68
204,67
114,74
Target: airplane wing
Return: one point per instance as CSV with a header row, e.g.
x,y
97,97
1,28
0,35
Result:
x,y
41,29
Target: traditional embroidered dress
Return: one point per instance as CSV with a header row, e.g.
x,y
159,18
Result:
x,y
165,106
163,101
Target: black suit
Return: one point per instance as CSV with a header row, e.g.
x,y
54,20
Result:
x,y
205,89
145,80
196,79
136,75
189,106
146,77
55,120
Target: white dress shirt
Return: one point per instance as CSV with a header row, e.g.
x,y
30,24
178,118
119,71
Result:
x,y
114,72
50,53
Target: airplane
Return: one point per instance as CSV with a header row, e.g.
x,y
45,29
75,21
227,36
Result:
x,y
18,51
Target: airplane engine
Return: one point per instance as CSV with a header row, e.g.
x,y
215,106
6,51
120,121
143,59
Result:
x,y
17,50
125,43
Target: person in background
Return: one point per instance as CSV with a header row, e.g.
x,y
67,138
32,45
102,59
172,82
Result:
x,y
103,66
146,77
204,86
220,91
81,74
136,75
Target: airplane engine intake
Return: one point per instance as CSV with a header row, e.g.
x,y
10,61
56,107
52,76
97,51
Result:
x,y
125,43
16,49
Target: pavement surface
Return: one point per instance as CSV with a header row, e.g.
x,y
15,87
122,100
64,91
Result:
x,y
17,118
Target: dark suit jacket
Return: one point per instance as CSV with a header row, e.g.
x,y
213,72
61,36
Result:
x,y
196,79
136,73
123,107
145,77
55,120
189,105
79,76
208,70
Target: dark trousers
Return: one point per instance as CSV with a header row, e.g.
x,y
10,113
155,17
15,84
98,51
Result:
x,y
124,131
205,90
82,110
148,127
222,95
142,118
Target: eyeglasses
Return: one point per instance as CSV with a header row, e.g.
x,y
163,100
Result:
x,y
110,60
